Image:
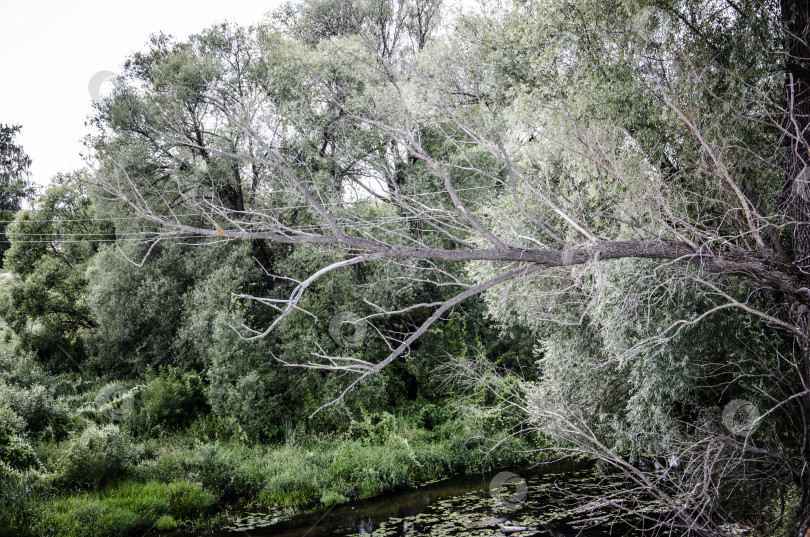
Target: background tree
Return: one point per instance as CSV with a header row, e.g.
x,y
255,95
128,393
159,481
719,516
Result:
x,y
15,181
51,245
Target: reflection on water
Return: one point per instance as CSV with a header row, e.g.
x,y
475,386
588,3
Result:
x,y
456,507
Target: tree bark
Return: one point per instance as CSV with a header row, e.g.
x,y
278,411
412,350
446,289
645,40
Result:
x,y
795,18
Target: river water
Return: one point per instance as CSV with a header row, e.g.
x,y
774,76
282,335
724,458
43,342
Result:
x,y
462,506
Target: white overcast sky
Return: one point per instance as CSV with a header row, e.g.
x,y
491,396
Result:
x,y
50,50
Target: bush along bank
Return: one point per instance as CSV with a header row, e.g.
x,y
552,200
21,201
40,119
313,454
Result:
x,y
75,467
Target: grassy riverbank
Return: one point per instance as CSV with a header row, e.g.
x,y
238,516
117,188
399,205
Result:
x,y
153,456
171,482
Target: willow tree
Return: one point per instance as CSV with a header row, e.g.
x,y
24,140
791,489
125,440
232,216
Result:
x,y
539,156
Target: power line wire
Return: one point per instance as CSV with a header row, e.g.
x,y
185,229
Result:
x,y
145,239
248,213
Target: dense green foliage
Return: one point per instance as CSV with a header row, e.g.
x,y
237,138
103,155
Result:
x,y
46,302
149,378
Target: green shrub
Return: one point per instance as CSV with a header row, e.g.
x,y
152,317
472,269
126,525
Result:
x,y
10,423
210,464
21,369
189,499
330,497
27,401
169,402
374,429
98,455
166,523
17,453
431,416
36,406
208,427
250,402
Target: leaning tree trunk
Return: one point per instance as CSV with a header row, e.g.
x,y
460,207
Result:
x,y
796,16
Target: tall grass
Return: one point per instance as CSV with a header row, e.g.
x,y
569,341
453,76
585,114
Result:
x,y
320,470
125,509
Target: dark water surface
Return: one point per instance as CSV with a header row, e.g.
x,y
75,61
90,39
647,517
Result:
x,y
461,506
